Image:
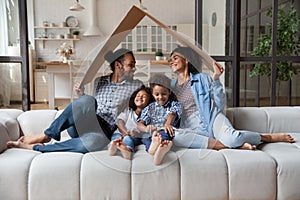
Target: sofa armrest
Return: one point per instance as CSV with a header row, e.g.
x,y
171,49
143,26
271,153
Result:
x,y
3,137
9,126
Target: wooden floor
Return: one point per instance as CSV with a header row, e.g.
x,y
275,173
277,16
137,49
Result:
x,y
36,106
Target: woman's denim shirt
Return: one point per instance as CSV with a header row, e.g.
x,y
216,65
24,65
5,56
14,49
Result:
x,y
209,97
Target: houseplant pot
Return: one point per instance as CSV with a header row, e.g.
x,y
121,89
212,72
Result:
x,y
159,55
76,34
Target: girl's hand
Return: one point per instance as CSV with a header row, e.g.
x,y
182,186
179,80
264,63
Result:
x,y
151,128
79,91
218,71
132,133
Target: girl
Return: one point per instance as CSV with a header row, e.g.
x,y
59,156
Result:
x,y
127,135
160,117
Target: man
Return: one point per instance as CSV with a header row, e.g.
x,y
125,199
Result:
x,y
90,121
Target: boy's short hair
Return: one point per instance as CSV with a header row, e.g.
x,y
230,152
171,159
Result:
x,y
160,79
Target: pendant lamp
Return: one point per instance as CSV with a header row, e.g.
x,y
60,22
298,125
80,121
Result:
x,y
76,7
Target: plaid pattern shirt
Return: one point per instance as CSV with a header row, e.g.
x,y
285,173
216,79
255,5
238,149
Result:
x,y
113,98
157,115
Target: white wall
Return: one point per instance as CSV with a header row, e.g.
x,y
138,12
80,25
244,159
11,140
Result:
x,y
109,15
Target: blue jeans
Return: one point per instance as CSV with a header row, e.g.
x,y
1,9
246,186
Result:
x,y
130,141
84,127
147,140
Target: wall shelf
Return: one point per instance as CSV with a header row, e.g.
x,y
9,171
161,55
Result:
x,y
45,34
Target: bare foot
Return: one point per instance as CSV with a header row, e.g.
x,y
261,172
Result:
x,y
247,146
20,144
36,138
156,140
277,137
125,151
113,147
163,148
215,144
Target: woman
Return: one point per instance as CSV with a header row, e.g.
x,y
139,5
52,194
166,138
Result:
x,y
203,102
90,121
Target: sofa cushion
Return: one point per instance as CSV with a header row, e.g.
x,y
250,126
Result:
x,y
286,156
203,170
251,174
105,177
36,121
14,170
50,172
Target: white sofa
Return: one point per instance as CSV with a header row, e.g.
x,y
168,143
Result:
x,y
272,172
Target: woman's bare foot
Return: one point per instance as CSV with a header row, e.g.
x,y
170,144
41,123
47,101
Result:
x,y
247,146
215,144
163,148
36,138
156,140
125,151
277,137
20,144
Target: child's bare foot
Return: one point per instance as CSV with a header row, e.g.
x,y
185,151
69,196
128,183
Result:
x,y
20,144
125,151
163,148
112,148
156,140
247,146
36,138
277,137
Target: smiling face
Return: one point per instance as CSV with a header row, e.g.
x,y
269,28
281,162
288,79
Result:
x,y
142,99
128,67
161,94
178,63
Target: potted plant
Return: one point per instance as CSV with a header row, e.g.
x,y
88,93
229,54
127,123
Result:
x,y
287,44
159,55
75,34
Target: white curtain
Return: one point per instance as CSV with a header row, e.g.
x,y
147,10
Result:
x,y
5,81
3,27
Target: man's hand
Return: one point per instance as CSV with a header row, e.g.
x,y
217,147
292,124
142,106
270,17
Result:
x,y
78,91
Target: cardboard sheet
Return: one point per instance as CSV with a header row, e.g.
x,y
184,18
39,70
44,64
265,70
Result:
x,y
131,20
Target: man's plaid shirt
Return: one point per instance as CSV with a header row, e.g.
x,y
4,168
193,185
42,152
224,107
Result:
x,y
112,98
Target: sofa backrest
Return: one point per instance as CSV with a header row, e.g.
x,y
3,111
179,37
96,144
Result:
x,y
265,119
35,121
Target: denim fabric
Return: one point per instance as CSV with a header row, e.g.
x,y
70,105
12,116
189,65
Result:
x,y
81,122
147,140
192,133
209,98
230,137
130,141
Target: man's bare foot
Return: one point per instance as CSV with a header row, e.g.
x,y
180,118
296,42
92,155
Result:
x,y
156,140
125,151
163,148
277,137
247,146
20,144
36,138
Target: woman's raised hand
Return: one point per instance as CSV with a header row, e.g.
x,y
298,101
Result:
x,y
218,71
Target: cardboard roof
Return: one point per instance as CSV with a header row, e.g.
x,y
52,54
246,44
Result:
x,y
131,20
